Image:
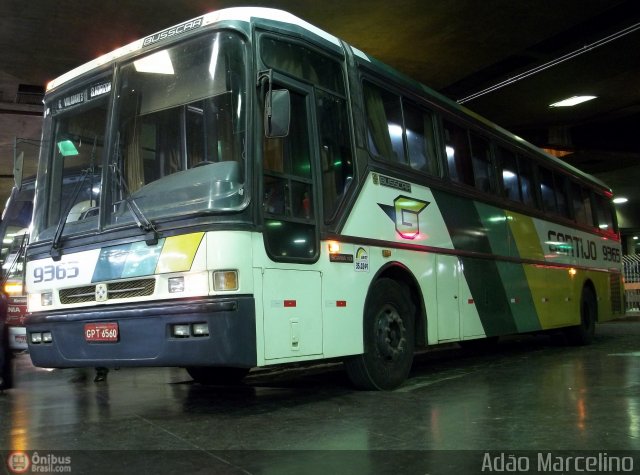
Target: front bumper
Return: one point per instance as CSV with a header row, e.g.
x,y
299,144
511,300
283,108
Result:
x,y
145,337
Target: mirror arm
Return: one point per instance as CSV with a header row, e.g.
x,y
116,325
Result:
x,y
267,75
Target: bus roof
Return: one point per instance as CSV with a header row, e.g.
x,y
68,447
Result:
x,y
247,14
238,14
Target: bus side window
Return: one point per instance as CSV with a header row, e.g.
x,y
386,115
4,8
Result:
x,y
510,179
458,153
525,173
581,207
420,138
335,150
562,200
604,214
481,163
547,191
290,231
384,120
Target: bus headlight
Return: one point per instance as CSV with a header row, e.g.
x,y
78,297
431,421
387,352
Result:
x,y
176,284
200,329
225,280
46,299
181,330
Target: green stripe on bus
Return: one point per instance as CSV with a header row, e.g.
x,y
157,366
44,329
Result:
x,y
469,233
512,274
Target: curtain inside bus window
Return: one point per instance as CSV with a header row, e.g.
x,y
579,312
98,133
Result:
x,y
525,173
509,168
588,210
579,210
547,190
181,122
420,138
384,120
561,194
481,163
302,62
457,153
604,213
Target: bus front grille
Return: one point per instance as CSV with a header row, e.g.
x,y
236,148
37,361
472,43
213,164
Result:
x,y
115,290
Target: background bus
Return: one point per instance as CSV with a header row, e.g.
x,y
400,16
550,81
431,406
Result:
x,y
269,194
16,219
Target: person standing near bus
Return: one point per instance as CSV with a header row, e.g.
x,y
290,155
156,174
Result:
x,y
6,369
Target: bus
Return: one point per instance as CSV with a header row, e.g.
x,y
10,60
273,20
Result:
x,y
16,219
269,194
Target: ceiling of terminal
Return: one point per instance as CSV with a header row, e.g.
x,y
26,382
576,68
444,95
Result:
x,y
505,60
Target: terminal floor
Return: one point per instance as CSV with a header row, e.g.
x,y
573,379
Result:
x,y
530,394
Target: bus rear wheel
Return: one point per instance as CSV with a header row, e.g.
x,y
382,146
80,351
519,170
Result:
x,y
389,339
217,374
583,333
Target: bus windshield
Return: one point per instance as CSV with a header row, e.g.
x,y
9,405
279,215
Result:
x,y
181,130
15,221
177,144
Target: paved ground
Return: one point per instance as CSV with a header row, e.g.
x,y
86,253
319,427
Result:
x,y
531,394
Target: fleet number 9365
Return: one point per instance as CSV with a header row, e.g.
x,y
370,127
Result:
x,y
57,272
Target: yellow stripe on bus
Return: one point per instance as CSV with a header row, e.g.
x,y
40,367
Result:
x,y
178,253
553,296
524,232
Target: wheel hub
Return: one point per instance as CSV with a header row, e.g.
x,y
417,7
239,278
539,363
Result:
x,y
391,333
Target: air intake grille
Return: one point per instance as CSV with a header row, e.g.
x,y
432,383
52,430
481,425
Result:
x,y
115,290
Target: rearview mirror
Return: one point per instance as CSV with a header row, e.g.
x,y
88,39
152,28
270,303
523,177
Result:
x,y
18,162
277,113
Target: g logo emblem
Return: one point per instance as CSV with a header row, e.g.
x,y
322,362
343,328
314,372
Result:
x,y
404,213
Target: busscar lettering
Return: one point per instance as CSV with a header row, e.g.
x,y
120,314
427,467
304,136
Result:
x,y
574,246
393,183
173,31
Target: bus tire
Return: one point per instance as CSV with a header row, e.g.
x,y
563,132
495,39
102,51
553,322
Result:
x,y
583,333
208,375
388,337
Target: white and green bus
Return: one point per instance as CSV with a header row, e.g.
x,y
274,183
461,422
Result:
x,y
258,192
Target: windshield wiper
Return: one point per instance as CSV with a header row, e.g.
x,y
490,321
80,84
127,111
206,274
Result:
x,y
147,227
56,252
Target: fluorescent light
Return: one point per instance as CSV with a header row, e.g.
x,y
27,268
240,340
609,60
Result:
x,y
157,63
620,199
572,101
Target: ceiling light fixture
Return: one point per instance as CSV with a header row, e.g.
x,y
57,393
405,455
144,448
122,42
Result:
x,y
620,200
572,101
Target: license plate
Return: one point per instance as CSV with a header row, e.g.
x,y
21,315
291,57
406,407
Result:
x,y
101,332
